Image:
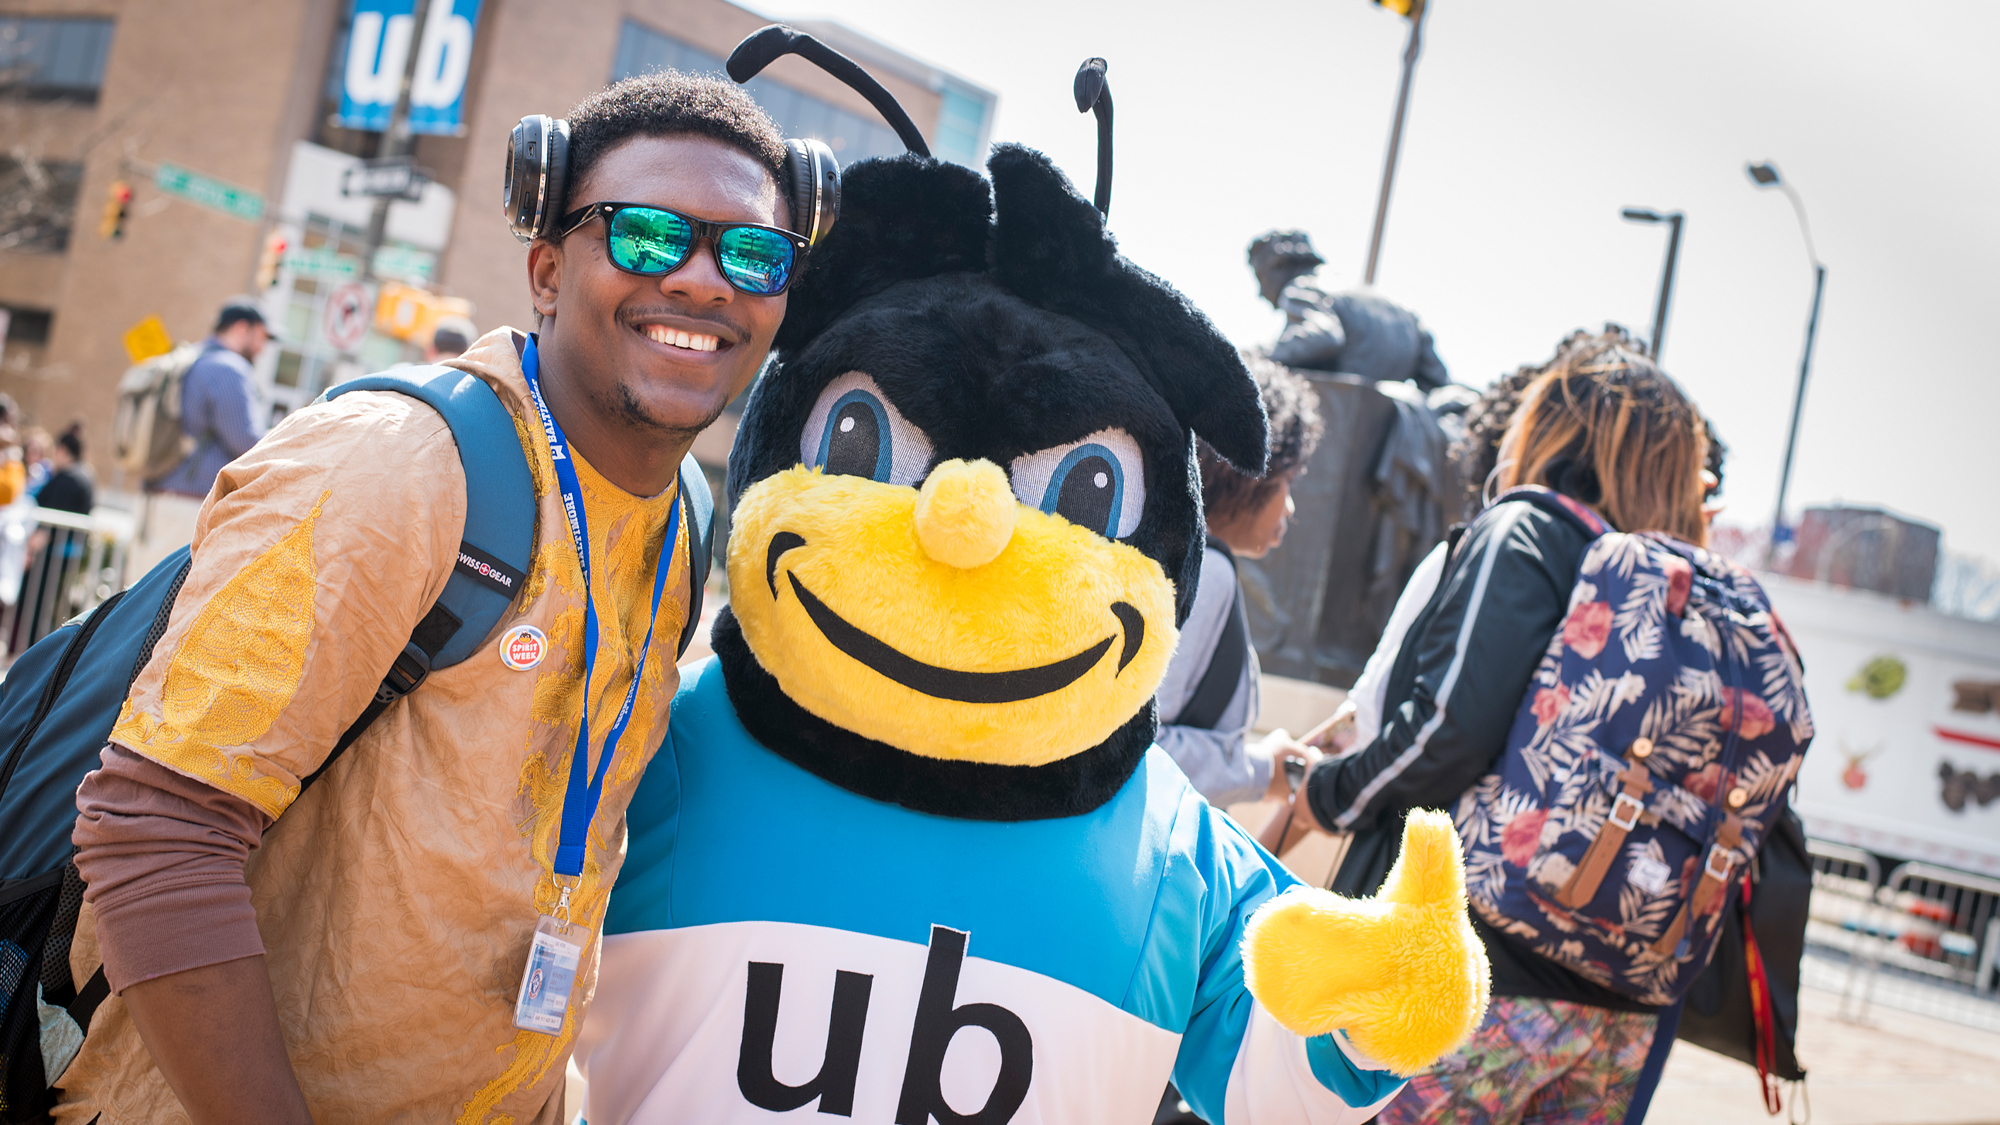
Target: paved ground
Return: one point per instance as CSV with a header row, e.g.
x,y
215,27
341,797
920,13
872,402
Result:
x,y
1897,1069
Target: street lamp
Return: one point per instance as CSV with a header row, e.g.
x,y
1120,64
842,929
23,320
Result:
x,y
1766,175
1675,219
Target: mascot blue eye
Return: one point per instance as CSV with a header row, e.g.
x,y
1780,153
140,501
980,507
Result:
x,y
1086,488
1097,483
856,439
854,430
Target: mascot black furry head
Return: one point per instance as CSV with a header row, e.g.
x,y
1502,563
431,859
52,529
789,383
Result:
x,y
967,512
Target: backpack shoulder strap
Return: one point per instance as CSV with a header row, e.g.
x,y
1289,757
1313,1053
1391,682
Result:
x,y
1564,507
496,547
1218,682
699,505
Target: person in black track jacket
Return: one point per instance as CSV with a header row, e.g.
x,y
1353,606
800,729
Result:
x,y
1602,426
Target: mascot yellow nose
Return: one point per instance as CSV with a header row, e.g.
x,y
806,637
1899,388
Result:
x,y
965,513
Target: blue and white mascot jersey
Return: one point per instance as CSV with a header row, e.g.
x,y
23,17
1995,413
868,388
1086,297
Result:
x,y
777,944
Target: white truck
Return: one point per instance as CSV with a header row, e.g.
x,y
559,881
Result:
x,y
1906,702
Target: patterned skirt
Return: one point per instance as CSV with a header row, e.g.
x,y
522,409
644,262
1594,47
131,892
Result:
x,y
1533,1062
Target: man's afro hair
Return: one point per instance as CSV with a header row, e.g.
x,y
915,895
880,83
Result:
x,y
668,103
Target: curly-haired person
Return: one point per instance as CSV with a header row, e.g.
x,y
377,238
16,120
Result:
x,y
363,963
1209,697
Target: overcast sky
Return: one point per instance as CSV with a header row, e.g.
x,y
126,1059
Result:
x,y
1531,126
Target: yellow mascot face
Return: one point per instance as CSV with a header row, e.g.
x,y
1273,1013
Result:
x,y
952,608
966,505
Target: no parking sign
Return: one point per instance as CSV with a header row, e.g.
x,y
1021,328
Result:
x,y
348,311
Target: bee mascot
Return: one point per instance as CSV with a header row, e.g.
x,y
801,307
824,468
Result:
x,y
907,852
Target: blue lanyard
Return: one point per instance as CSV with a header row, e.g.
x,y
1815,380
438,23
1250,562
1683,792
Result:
x,y
585,785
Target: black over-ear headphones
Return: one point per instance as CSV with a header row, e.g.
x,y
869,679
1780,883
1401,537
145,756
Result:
x,y
538,180
538,152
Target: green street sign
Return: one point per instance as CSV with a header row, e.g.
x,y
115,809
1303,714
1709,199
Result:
x,y
323,263
404,263
209,192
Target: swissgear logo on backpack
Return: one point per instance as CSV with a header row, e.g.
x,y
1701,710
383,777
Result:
x,y
1649,757
487,570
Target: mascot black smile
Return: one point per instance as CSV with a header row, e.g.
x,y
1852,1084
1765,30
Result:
x,y
907,853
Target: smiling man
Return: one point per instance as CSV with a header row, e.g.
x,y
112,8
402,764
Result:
x,y
372,960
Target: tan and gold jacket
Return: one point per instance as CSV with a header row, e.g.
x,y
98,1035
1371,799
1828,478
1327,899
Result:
x,y
397,897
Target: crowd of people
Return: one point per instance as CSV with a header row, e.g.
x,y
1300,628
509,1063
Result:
x,y
360,965
38,473
50,471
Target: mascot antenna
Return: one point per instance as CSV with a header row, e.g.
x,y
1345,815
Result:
x,y
1094,93
768,44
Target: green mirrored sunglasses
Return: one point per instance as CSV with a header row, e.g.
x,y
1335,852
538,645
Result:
x,y
654,242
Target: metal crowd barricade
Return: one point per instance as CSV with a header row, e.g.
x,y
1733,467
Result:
x,y
1846,916
1926,939
53,566
1950,926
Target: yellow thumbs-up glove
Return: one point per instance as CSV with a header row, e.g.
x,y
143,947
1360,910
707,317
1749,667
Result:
x,y
1401,973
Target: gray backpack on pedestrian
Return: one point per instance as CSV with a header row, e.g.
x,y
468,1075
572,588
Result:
x,y
147,434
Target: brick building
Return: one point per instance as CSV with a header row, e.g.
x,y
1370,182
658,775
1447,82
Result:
x,y
224,118
1865,548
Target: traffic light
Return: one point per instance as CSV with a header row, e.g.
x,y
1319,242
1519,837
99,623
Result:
x,y
272,258
115,209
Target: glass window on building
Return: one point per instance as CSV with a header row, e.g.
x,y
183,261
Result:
x,y
37,203
27,326
962,125
53,58
643,50
24,342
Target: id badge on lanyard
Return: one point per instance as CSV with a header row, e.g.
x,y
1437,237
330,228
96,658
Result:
x,y
545,984
557,949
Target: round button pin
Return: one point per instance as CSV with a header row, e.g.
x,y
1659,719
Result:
x,y
523,647
1641,747
1738,797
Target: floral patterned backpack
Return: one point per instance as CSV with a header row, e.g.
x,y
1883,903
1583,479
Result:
x,y
1651,754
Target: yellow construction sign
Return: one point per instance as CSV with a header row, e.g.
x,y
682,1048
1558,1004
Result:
x,y
409,313
147,339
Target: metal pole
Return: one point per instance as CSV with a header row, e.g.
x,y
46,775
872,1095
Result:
x,y
1667,285
397,141
1421,8
1798,407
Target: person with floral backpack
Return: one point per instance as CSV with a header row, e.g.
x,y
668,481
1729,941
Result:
x,y
1523,697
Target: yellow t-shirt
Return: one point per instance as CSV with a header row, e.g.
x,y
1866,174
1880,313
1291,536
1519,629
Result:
x,y
13,480
396,898
626,533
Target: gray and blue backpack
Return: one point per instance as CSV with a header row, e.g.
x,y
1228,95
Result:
x,y
61,698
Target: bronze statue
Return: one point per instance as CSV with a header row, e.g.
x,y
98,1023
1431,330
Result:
x,y
1354,331
1381,488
